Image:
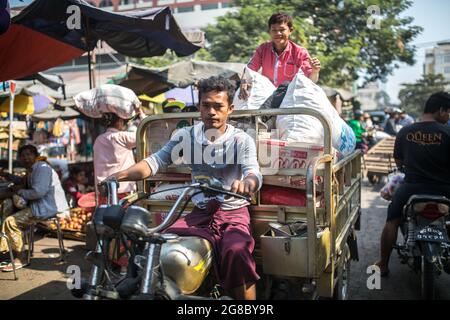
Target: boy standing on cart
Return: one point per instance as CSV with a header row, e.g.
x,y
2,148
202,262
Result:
x,y
216,149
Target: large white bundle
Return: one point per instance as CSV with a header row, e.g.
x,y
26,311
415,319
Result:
x,y
303,93
261,89
108,98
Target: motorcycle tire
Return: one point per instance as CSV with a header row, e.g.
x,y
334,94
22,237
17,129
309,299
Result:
x,y
427,277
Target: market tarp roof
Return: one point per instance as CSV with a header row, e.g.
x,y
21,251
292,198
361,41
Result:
x,y
50,80
39,37
55,113
39,83
154,81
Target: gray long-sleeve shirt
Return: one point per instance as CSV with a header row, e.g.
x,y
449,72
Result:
x,y
45,192
232,156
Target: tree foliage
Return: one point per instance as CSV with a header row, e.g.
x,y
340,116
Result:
x,y
414,95
336,31
170,58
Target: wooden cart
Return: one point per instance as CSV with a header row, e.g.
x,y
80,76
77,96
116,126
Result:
x,y
379,161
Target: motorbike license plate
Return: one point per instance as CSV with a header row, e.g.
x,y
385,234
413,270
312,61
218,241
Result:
x,y
433,234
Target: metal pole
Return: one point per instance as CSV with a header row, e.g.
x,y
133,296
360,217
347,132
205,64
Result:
x,y
192,94
10,151
90,70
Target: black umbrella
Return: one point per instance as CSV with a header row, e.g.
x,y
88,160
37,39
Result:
x,y
48,33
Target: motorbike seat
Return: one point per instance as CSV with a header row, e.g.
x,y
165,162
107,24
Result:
x,y
417,198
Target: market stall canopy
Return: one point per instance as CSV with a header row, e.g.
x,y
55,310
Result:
x,y
48,33
26,104
50,80
154,81
30,88
55,112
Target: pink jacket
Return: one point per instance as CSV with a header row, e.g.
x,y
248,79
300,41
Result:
x,y
280,68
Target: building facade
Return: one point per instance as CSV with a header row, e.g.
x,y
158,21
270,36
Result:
x,y
437,60
367,96
190,14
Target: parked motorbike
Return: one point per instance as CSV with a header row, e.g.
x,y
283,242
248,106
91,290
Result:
x,y
161,265
426,246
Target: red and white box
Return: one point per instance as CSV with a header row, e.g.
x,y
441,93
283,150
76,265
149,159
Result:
x,y
278,154
296,182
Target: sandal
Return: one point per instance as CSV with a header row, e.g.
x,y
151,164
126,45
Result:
x,y
9,267
3,264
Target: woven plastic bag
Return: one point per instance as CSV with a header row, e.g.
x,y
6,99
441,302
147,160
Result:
x,y
394,181
261,89
108,98
302,92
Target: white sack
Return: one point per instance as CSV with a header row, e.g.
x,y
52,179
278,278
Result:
x,y
261,89
303,93
108,98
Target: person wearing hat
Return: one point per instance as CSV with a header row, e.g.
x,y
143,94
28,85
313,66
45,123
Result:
x,y
422,149
358,126
171,105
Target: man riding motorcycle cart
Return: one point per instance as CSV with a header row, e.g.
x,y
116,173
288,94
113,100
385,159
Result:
x,y
423,150
213,148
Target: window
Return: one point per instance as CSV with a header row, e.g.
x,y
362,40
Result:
x,y
210,6
447,58
165,2
227,4
106,3
447,70
185,9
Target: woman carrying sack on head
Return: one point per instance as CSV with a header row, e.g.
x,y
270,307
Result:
x,y
113,151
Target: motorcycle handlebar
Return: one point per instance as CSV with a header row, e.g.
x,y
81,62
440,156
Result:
x,y
169,220
110,188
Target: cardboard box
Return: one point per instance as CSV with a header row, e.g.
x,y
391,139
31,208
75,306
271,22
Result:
x,y
296,182
278,154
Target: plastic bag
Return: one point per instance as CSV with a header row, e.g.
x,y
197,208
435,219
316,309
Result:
x,y
19,202
302,92
273,195
261,89
394,181
108,98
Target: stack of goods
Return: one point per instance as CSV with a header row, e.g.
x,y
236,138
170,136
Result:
x,y
19,134
75,225
277,154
